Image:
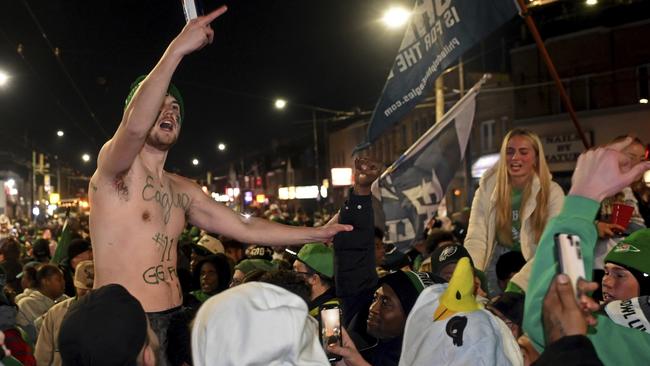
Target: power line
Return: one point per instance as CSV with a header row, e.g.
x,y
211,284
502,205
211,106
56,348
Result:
x,y
65,70
48,90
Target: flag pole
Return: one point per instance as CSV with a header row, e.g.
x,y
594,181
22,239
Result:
x,y
525,13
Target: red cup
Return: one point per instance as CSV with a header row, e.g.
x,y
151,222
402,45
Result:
x,y
621,214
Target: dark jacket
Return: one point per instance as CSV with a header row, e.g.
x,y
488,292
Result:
x,y
327,298
356,280
68,278
179,337
570,351
11,269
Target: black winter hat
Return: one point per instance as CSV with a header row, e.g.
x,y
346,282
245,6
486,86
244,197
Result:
x,y
106,327
76,247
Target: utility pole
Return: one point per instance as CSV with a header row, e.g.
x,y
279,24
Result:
x,y
440,98
316,157
33,195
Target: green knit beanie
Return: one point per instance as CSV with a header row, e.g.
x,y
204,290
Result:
x,y
633,251
173,91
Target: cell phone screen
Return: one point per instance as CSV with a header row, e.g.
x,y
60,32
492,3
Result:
x,y
331,329
192,9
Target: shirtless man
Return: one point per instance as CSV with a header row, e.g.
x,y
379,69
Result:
x,y
139,210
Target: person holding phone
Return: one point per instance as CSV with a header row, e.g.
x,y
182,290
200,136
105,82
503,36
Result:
x,y
513,203
566,325
614,343
374,310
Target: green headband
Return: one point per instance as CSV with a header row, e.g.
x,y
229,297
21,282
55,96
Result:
x,y
173,91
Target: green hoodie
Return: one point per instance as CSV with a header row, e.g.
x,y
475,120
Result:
x,y
615,344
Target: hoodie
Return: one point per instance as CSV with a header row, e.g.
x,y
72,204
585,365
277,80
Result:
x,y
256,324
615,344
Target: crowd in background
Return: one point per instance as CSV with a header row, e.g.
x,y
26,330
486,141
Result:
x,y
253,304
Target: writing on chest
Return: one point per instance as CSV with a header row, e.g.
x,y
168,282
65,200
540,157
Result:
x,y
164,197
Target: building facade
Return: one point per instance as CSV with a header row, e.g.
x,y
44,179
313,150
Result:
x,y
605,73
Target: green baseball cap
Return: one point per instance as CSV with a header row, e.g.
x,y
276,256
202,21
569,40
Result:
x,y
318,257
249,265
633,251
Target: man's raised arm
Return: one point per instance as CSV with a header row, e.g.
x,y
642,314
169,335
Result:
x,y
207,214
118,153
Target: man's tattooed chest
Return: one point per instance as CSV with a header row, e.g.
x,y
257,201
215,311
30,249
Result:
x,y
165,197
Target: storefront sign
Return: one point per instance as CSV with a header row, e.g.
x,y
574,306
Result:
x,y
562,151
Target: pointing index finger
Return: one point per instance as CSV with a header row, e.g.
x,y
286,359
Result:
x,y
208,18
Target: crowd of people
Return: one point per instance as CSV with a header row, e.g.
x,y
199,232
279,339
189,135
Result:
x,y
250,304
160,274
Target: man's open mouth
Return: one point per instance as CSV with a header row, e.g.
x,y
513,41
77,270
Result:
x,y
167,126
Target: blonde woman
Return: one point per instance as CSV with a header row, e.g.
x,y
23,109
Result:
x,y
511,207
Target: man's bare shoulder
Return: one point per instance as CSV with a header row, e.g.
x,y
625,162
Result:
x,y
188,186
182,182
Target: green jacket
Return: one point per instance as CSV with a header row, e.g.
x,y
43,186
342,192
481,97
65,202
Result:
x,y
615,344
200,295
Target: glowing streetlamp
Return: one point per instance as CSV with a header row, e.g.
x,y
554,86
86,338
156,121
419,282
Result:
x,y
280,103
221,146
4,78
592,2
396,17
85,158
60,133
195,161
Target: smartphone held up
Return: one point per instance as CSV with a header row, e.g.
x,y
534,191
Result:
x,y
569,256
330,329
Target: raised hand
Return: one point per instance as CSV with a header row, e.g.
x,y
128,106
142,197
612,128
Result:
x,y
607,230
349,352
563,315
196,34
605,171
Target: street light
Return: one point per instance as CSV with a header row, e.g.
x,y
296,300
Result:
x,y
4,78
592,2
396,17
195,161
338,115
85,158
221,146
280,103
60,133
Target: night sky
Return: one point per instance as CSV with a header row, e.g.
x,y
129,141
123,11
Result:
x,y
333,54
